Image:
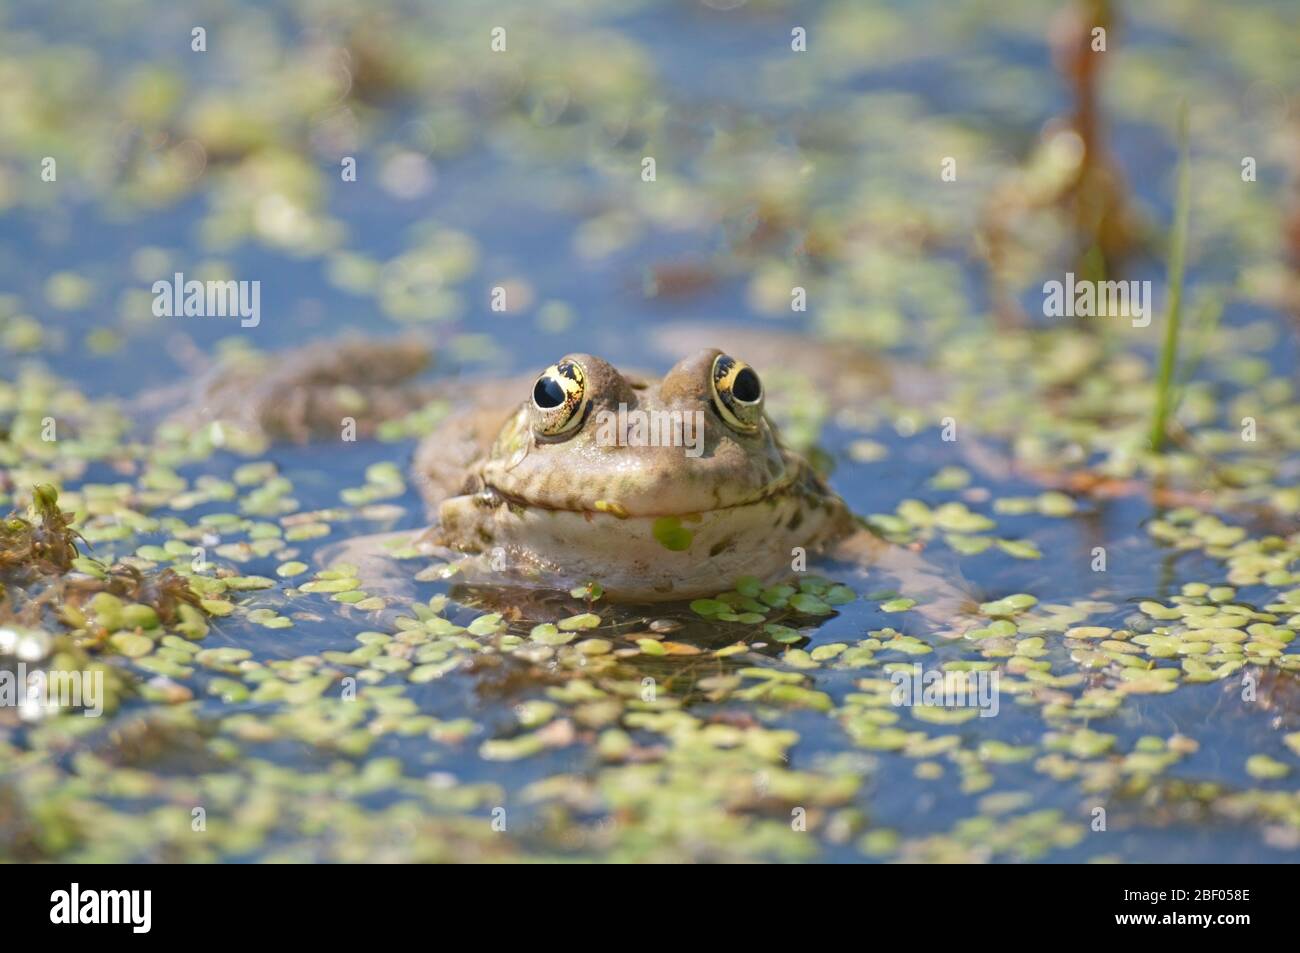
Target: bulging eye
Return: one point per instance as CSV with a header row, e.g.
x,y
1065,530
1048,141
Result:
x,y
737,393
559,399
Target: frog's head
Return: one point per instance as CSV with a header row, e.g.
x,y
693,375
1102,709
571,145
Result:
x,y
608,474
589,439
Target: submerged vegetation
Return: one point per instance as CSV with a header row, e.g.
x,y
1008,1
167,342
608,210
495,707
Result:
x,y
1125,520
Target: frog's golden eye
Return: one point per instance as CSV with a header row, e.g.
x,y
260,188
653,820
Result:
x,y
559,399
737,393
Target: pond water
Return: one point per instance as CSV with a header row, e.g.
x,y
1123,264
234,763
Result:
x,y
1139,609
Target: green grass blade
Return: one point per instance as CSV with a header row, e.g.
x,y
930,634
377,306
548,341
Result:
x,y
1177,261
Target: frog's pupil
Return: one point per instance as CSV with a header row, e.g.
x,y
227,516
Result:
x,y
548,393
746,386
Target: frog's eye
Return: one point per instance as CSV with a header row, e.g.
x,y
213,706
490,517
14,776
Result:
x,y
737,393
559,399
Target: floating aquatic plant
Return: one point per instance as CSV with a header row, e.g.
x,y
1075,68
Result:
x,y
41,542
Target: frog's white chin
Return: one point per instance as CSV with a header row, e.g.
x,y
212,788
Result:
x,y
638,558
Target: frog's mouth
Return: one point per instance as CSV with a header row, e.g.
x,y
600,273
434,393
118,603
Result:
x,y
799,481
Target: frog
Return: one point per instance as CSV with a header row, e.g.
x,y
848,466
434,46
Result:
x,y
655,487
